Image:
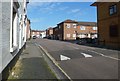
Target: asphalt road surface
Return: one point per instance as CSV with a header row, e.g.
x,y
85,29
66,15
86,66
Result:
x,y
83,62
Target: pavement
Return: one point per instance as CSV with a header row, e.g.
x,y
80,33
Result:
x,y
42,61
32,66
102,63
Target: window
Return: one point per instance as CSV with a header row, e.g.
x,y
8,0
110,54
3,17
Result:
x,y
13,34
113,31
112,9
74,35
33,32
82,28
74,25
38,32
68,25
68,35
94,28
59,26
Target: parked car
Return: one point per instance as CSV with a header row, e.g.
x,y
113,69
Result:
x,y
82,41
34,37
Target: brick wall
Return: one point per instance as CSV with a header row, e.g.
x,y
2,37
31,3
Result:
x,y
105,20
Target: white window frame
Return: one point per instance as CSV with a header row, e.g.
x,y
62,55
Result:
x,y
74,35
68,26
13,29
94,28
68,35
82,28
74,25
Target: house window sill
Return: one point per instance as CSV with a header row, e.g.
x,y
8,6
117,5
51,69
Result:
x,y
13,48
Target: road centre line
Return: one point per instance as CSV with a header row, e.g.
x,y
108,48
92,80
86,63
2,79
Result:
x,y
103,55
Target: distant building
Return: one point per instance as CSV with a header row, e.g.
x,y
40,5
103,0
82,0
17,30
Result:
x,y
49,33
70,30
28,30
43,34
108,15
13,33
87,30
66,30
56,33
36,33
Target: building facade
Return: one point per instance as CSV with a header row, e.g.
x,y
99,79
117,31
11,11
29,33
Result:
x,y
66,30
108,14
49,33
87,30
28,30
36,33
43,34
13,34
70,30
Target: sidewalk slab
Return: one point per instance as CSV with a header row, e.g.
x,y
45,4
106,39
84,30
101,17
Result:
x,y
32,66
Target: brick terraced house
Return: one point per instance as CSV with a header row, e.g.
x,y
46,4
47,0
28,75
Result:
x,y
49,33
87,30
70,30
108,14
65,30
36,33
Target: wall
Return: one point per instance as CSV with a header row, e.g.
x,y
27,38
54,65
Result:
x,y
70,31
88,30
0,39
104,22
6,33
6,56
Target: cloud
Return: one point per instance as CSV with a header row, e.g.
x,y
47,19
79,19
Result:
x,y
75,10
49,7
63,8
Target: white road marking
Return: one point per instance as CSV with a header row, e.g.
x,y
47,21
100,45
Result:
x,y
86,55
103,55
62,57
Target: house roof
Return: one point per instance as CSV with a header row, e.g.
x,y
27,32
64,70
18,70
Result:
x,y
87,23
36,31
50,28
68,21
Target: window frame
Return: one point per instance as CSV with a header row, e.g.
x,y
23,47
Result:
x,y
13,28
74,35
82,27
68,25
114,10
74,25
94,28
67,35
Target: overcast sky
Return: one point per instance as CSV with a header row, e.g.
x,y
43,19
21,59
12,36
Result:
x,y
48,14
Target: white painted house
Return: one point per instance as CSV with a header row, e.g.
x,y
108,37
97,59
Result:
x,y
13,30
43,34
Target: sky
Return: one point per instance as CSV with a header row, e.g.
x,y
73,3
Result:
x,y
48,14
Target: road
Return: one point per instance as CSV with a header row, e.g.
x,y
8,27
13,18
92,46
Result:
x,y
83,62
